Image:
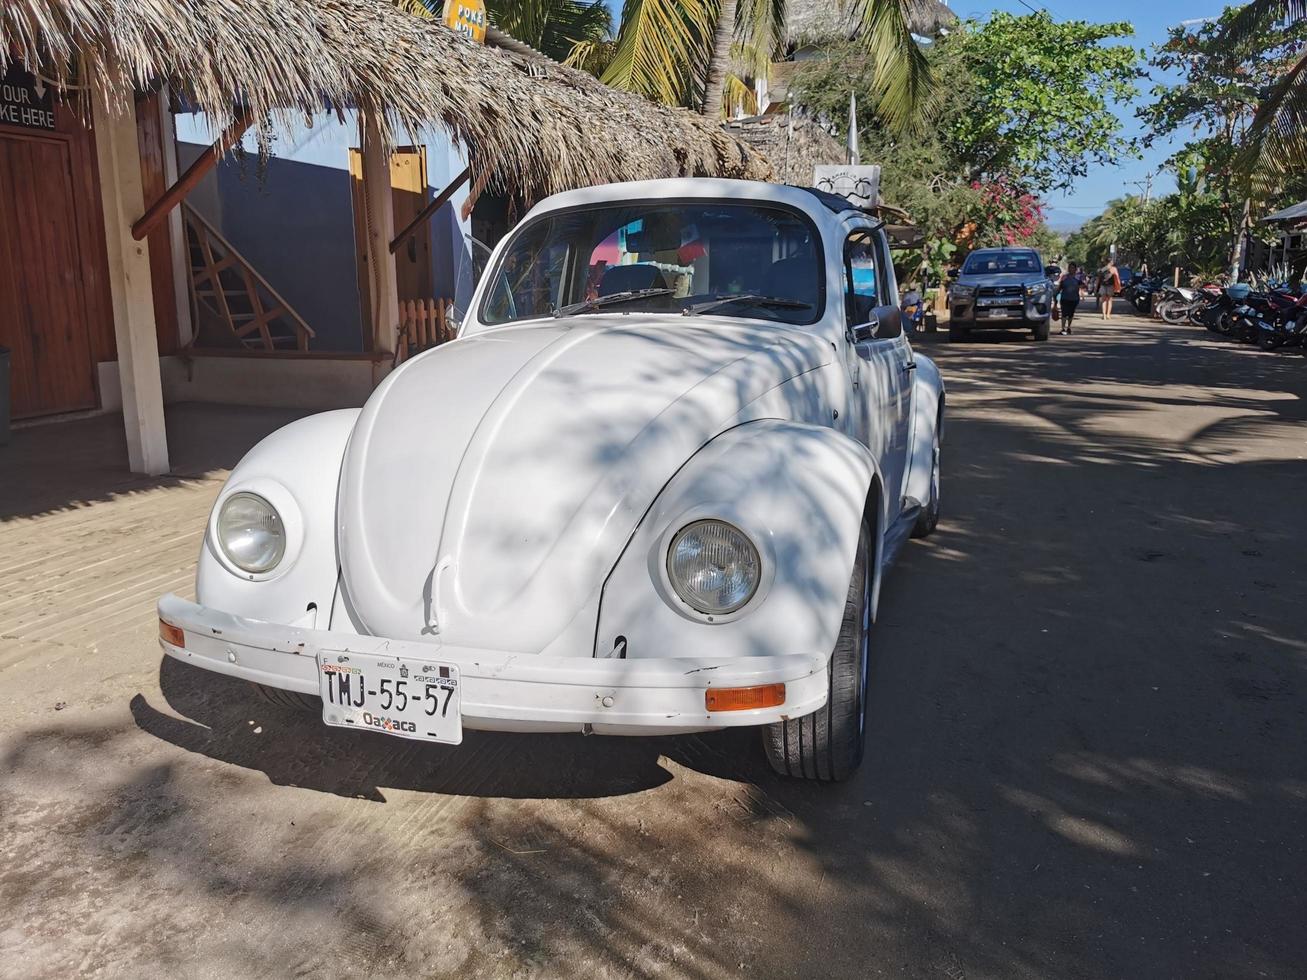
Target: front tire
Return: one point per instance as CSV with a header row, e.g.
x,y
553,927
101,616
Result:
x,y
827,745
958,334
1041,329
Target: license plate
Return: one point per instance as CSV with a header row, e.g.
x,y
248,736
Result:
x,y
418,699
996,314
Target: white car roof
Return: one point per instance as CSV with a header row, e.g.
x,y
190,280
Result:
x,y
805,200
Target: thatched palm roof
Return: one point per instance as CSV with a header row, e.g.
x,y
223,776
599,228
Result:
x,y
795,143
812,22
283,58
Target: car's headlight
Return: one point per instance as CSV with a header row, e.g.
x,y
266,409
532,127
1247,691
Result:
x,y
961,290
251,533
713,567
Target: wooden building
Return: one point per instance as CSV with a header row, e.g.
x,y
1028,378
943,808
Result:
x,y
103,272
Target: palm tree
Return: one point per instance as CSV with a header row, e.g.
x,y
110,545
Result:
x,y
555,28
680,51
1279,129
565,30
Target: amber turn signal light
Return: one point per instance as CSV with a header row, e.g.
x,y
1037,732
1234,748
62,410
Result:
x,y
172,634
744,698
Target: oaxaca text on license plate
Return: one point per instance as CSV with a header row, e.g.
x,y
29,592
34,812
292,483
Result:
x,y
401,696
996,313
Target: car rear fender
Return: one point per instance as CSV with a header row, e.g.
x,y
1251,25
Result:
x,y
927,417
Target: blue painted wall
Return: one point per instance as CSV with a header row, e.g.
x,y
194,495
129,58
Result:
x,y
292,217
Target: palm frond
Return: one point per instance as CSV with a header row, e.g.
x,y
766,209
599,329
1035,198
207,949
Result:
x,y
739,95
760,29
903,79
1277,145
552,27
660,46
1255,15
593,56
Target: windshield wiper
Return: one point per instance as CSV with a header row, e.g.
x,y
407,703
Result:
x,y
753,299
611,298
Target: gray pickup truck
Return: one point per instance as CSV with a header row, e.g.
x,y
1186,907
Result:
x,y
1000,289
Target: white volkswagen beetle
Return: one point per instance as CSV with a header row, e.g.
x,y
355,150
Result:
x,y
651,488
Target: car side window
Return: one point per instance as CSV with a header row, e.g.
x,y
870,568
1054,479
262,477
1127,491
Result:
x,y
862,277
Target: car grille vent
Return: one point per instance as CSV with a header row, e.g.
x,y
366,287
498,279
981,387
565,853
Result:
x,y
999,291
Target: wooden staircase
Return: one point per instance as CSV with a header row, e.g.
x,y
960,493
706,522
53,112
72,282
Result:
x,y
229,292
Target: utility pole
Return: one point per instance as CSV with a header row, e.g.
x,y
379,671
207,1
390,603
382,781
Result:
x,y
1146,184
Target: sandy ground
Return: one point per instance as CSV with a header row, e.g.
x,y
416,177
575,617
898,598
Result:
x,y
1086,746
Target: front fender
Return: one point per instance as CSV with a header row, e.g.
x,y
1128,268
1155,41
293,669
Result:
x,y
799,491
297,469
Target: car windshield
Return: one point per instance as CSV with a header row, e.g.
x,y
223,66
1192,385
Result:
x,y
980,263
712,258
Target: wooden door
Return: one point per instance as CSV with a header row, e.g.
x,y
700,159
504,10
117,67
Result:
x,y
43,305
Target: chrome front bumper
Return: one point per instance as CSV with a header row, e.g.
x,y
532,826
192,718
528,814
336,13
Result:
x,y
512,691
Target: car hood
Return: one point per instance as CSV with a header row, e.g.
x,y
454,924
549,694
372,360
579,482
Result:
x,y
489,485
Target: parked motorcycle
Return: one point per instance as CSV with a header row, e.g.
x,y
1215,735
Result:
x,y
1141,293
1273,319
1215,306
1172,303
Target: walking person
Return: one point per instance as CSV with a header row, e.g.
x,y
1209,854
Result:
x,y
1109,283
1067,293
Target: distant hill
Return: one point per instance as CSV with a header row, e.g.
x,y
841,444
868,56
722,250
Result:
x,y
1064,221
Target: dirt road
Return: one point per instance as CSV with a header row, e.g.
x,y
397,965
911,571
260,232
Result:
x,y
1086,750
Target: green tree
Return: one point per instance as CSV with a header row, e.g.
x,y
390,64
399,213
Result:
x,y
1024,122
1220,82
1039,105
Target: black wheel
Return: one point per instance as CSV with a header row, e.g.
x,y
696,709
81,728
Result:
x,y
1174,312
289,699
1040,331
827,745
958,334
928,519
1268,341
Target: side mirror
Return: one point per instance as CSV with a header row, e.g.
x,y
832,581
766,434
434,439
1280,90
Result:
x,y
952,273
882,323
1052,271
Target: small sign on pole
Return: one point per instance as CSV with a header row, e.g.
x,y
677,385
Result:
x,y
25,100
860,185
467,17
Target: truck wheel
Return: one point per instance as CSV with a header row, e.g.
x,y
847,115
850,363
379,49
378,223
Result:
x,y
928,519
826,746
289,699
1041,329
958,334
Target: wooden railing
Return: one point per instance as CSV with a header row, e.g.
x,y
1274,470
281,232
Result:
x,y
231,289
423,323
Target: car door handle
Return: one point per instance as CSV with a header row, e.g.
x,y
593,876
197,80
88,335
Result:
x,y
910,366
